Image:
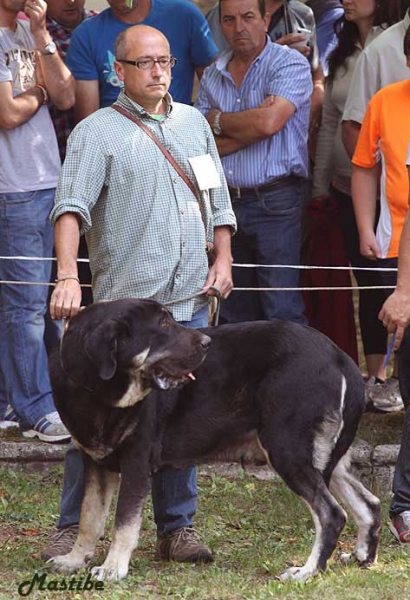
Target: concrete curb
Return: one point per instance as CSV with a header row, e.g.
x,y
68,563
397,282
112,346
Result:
x,y
374,466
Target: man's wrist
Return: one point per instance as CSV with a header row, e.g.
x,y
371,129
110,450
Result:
x,y
216,127
42,40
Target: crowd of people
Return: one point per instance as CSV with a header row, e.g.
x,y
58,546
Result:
x,y
296,102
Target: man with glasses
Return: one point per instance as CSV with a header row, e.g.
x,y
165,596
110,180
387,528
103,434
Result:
x,y
146,234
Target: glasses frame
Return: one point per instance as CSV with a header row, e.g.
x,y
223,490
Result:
x,y
135,63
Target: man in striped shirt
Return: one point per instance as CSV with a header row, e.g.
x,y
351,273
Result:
x,y
256,97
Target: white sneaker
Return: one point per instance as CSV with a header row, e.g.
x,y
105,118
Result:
x,y
385,396
49,429
10,419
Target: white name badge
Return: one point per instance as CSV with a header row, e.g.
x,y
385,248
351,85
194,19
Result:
x,y
205,172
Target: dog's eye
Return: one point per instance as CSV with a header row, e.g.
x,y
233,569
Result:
x,y
164,323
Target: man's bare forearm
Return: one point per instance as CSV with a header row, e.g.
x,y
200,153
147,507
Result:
x,y
66,242
227,145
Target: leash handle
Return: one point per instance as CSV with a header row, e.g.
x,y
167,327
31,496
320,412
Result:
x,y
389,350
218,296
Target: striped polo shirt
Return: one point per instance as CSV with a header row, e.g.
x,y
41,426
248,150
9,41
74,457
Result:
x,y
384,137
277,71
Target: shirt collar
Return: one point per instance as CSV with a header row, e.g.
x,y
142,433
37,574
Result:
x,y
406,20
135,108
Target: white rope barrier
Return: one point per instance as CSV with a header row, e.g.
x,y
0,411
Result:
x,y
241,265
239,289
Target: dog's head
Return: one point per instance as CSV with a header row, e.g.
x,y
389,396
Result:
x,y
132,341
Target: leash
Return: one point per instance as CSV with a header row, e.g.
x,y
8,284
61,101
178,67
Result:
x,y
218,296
389,350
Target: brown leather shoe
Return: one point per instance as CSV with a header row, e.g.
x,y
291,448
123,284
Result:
x,y
61,541
182,545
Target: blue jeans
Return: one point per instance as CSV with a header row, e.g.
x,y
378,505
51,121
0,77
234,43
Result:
x,y
25,231
269,232
174,493
326,36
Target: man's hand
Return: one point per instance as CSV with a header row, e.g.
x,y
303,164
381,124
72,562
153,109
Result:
x,y
294,38
66,299
369,246
36,12
220,277
395,314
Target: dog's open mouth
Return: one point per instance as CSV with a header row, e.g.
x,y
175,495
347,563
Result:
x,y
166,381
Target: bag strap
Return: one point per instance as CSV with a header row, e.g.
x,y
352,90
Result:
x,y
164,151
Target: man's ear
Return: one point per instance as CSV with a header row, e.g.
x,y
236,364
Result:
x,y
119,69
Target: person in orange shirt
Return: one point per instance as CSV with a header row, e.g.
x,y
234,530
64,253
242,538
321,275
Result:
x,y
383,148
379,168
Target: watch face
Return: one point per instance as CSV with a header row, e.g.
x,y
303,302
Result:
x,y
50,48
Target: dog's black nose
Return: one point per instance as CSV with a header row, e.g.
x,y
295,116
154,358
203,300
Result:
x,y
205,342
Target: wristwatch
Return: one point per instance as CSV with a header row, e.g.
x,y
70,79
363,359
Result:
x,y
50,48
216,126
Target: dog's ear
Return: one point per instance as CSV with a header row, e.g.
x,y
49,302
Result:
x,y
101,348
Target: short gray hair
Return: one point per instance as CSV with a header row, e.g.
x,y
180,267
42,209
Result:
x,y
120,48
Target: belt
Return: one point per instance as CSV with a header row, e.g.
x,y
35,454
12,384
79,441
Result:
x,y
236,193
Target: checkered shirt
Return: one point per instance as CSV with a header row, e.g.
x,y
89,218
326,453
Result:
x,y
144,230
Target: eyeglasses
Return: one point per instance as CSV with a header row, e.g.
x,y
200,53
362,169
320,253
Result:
x,y
148,63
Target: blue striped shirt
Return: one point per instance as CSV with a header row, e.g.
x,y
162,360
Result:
x,y
277,71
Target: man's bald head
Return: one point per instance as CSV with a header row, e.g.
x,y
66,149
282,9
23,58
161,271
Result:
x,y
139,38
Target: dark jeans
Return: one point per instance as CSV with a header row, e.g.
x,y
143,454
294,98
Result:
x,y
401,480
374,335
174,493
269,232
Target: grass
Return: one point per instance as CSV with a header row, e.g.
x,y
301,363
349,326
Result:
x,y
255,528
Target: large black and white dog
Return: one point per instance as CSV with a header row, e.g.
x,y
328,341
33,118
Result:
x,y
117,385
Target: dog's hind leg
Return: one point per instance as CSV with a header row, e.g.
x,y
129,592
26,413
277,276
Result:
x,y
328,518
364,508
292,464
100,485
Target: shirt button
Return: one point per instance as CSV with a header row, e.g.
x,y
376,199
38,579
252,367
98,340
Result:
x,y
177,276
182,212
238,100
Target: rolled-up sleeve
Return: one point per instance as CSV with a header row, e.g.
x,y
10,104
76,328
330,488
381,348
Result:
x,y
79,189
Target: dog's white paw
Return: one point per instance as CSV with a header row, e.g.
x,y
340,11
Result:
x,y
346,558
105,573
67,563
300,574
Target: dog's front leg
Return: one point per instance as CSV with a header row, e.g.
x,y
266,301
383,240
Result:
x,y
100,485
134,488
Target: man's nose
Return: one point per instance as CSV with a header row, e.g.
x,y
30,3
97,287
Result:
x,y
157,69
238,23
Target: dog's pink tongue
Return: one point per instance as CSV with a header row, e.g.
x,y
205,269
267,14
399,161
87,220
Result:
x,y
191,376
